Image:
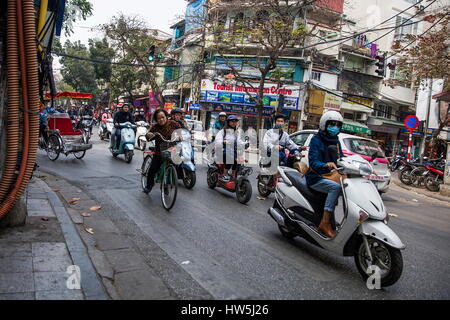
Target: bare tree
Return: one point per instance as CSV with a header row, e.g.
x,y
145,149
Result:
x,y
261,31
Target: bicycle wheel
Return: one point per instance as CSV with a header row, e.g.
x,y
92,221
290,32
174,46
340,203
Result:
x,y
53,147
169,187
144,171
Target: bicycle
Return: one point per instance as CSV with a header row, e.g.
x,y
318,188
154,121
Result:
x,y
166,176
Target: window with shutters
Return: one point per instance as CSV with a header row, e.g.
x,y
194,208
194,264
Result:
x,y
404,26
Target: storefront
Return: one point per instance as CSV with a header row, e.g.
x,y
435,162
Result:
x,y
236,99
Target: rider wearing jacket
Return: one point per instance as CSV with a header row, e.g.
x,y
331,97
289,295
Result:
x,y
228,141
219,124
322,161
165,127
122,116
276,139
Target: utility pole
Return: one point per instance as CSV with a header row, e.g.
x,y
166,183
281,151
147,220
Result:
x,y
305,87
427,125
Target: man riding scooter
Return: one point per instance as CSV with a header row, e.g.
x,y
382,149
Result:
x,y
277,140
121,116
322,161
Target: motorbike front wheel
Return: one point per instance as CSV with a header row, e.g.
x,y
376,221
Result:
x,y
128,156
211,178
189,178
244,191
388,262
263,182
405,176
432,184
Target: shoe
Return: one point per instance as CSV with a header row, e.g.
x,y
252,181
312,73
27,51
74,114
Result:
x,y
326,229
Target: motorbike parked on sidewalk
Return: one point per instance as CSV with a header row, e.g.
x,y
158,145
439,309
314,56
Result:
x,y
363,231
141,131
434,176
127,140
397,163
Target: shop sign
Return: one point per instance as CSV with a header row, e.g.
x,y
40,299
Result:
x,y
194,106
417,133
358,100
214,92
248,110
356,129
332,102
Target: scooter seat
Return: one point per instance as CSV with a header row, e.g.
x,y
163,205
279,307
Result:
x,y
300,184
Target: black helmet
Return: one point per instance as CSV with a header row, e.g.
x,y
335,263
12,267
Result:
x,y
177,110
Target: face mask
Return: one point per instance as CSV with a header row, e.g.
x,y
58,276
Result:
x,y
278,126
333,130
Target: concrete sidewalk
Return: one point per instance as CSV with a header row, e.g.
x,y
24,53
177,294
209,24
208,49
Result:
x,y
118,263
421,190
40,260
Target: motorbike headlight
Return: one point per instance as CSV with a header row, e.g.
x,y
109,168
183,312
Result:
x,y
365,169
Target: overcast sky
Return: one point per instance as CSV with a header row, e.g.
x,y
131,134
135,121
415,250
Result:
x,y
158,14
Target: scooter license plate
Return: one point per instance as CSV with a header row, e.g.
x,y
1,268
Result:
x,y
375,177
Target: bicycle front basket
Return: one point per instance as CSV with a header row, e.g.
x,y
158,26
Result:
x,y
166,155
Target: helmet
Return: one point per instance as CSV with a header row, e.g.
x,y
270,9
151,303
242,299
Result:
x,y
222,114
329,116
187,116
232,117
176,110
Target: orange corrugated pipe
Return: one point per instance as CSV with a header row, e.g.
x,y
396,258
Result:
x,y
32,82
13,75
30,89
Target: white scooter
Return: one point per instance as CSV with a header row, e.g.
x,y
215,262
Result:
x,y
362,232
141,131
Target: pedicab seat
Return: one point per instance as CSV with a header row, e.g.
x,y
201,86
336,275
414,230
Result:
x,y
62,123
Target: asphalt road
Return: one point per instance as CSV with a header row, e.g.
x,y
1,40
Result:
x,y
235,251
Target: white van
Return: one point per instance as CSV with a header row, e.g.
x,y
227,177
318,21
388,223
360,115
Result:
x,y
354,145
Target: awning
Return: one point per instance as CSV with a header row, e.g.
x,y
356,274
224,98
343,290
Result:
x,y
346,105
393,123
71,95
356,127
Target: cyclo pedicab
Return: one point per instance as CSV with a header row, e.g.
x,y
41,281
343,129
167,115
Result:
x,y
62,138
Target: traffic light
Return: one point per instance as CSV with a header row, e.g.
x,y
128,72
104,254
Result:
x,y
151,53
381,65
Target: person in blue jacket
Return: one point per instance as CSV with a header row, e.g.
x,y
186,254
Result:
x,y
322,161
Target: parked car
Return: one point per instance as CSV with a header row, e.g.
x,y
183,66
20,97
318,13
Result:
x,y
354,145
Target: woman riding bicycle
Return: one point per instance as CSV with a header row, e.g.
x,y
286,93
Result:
x,y
165,127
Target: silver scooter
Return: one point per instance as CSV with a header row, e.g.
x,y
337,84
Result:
x,y
362,232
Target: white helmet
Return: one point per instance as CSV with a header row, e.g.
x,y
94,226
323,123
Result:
x,y
329,116
222,114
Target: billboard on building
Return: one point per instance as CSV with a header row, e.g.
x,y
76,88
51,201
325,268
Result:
x,y
240,94
195,14
423,99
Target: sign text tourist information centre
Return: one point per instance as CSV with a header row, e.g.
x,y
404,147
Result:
x,y
238,94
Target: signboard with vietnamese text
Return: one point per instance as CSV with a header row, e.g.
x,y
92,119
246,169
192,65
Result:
x,y
332,102
215,92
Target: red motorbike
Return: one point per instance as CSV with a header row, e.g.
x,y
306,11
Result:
x,y
434,176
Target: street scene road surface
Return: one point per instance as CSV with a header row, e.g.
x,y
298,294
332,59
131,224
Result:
x,y
235,251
